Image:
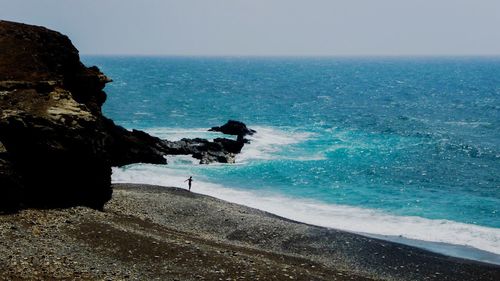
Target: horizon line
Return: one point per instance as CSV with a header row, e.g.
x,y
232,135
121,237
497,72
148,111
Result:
x,y
297,55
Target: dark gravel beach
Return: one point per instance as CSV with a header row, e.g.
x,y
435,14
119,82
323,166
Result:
x,y
159,233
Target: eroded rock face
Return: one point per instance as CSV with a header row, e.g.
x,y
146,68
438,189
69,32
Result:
x,y
10,184
56,141
233,127
50,121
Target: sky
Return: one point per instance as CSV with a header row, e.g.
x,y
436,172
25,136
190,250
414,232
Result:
x,y
269,27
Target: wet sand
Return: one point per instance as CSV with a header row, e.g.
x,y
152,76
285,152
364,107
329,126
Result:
x,y
158,233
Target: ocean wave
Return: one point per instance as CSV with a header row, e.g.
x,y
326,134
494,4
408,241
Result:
x,y
174,134
182,160
269,143
348,218
143,113
471,124
473,150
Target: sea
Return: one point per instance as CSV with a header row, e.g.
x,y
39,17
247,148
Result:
x,y
405,149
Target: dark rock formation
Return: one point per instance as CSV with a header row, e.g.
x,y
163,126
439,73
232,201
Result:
x,y
205,150
236,128
10,183
231,146
219,150
57,148
49,126
127,147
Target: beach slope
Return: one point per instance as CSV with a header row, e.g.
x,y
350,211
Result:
x,y
150,232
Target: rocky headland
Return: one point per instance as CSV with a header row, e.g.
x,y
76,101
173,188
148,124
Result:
x,y
52,130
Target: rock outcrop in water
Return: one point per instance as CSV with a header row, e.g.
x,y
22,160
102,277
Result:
x,y
220,149
236,128
56,147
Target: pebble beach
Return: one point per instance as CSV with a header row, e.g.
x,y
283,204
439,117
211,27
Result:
x,y
159,233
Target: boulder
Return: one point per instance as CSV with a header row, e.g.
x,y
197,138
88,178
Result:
x,y
232,146
233,127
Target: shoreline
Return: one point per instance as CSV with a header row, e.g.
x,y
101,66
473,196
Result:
x,y
447,249
429,234
444,248
369,237
148,232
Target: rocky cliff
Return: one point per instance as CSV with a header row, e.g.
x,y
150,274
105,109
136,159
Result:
x,y
50,121
56,147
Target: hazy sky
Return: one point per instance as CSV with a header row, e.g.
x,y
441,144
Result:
x,y
269,27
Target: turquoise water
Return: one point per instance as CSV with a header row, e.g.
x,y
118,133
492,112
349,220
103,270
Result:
x,y
399,137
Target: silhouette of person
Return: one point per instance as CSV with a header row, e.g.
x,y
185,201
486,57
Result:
x,y
189,182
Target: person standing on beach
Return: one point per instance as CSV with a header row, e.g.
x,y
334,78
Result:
x,y
189,182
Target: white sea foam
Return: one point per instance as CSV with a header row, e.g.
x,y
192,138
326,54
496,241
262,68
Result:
x,y
468,124
343,217
174,134
182,160
143,113
268,142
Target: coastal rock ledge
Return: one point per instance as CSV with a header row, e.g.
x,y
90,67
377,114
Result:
x,y
56,147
